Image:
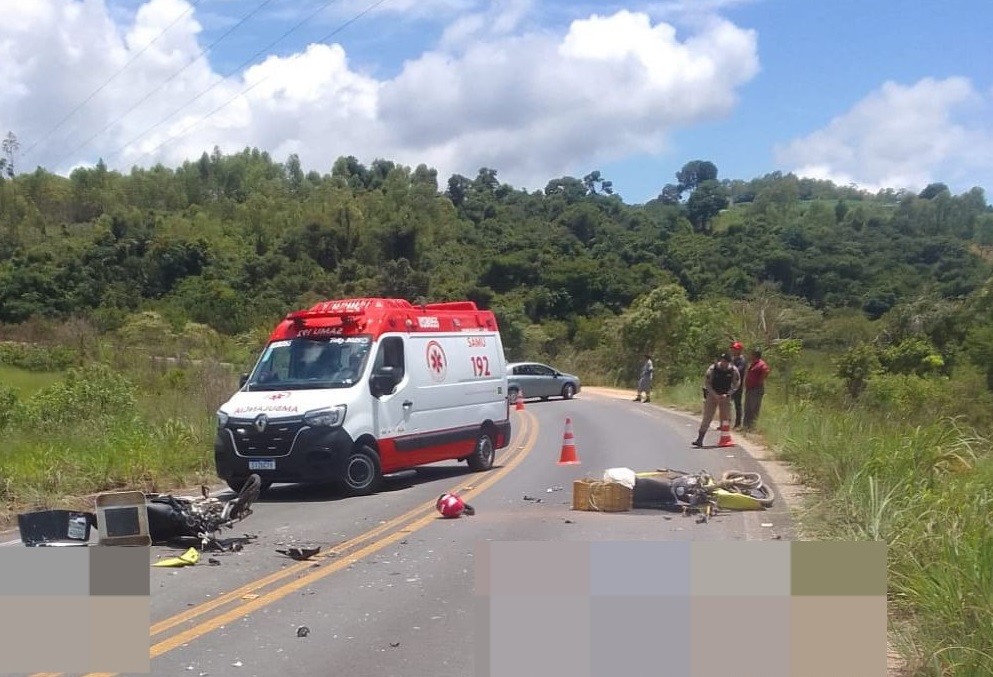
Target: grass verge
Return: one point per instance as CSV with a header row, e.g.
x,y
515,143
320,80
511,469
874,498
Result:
x,y
924,489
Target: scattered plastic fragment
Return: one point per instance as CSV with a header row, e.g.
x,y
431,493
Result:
x,y
188,558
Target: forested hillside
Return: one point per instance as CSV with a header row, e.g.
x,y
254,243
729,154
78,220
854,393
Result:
x,y
232,242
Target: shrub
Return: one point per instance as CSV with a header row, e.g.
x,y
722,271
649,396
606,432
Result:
x,y
8,405
38,358
857,366
94,393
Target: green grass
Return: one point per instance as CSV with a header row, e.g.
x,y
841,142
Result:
x,y
922,484
26,383
134,425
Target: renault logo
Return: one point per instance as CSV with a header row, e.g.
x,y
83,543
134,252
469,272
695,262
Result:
x,y
261,421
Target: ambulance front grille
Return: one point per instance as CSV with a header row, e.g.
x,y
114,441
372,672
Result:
x,y
276,440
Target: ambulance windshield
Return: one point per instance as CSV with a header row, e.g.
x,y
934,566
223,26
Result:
x,y
308,363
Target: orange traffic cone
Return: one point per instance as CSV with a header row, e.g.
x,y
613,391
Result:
x,y
725,440
568,456
520,400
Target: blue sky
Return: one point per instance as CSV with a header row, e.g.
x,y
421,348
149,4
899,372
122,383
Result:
x,y
879,94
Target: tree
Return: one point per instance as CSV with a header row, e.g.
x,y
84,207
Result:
x,y
933,190
787,353
571,188
10,147
670,195
694,173
706,202
593,179
857,366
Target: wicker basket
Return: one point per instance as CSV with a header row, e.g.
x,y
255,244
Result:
x,y
599,496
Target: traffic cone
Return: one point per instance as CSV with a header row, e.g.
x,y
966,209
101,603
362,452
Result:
x,y
568,455
725,440
520,400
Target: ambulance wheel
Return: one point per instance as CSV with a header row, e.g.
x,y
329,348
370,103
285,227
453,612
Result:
x,y
483,455
361,474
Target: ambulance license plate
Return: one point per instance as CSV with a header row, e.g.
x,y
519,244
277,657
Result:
x,y
267,464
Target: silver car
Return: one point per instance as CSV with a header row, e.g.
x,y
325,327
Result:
x,y
539,380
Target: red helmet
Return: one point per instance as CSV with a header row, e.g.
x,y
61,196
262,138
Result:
x,y
450,505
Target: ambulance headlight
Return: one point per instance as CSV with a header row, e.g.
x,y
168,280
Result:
x,y
222,419
328,417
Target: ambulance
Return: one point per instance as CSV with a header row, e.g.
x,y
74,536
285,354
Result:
x,y
350,390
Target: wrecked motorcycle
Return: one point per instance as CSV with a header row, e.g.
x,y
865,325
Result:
x,y
666,488
203,517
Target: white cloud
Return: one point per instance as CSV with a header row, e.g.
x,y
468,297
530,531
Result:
x,y
531,104
900,137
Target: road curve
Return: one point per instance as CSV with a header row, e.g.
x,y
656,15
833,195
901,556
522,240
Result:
x,y
392,593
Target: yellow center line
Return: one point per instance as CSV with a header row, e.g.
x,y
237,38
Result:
x,y
254,586
275,595
515,458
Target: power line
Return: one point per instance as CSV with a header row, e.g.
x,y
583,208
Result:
x,y
249,60
168,80
248,89
130,61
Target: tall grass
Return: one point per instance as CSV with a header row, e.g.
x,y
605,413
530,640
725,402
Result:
x,y
127,422
920,481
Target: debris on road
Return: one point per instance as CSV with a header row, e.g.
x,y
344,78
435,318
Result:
x,y
394,644
766,524
303,631
452,506
213,562
237,664
250,596
300,554
551,489
188,558
569,522
669,489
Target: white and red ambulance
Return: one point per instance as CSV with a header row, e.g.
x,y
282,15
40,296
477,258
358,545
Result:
x,y
352,389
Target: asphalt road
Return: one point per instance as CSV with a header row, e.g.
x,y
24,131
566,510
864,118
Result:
x,y
399,601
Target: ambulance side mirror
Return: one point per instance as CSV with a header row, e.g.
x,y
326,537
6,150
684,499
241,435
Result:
x,y
383,381
242,380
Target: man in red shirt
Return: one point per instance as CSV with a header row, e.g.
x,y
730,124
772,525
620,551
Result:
x,y
755,377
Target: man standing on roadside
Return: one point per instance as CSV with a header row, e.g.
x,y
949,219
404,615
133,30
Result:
x,y
739,363
645,380
719,382
755,377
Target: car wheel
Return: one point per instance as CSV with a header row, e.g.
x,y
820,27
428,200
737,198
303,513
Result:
x,y
568,391
361,474
483,455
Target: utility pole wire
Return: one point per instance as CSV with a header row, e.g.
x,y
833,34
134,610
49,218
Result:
x,y
99,89
167,81
247,90
247,61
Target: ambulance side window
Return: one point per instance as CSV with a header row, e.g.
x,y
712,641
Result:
x,y
391,355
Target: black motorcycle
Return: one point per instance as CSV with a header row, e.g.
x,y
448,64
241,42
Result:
x,y
172,518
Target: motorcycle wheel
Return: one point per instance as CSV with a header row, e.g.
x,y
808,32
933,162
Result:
x,y
247,495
